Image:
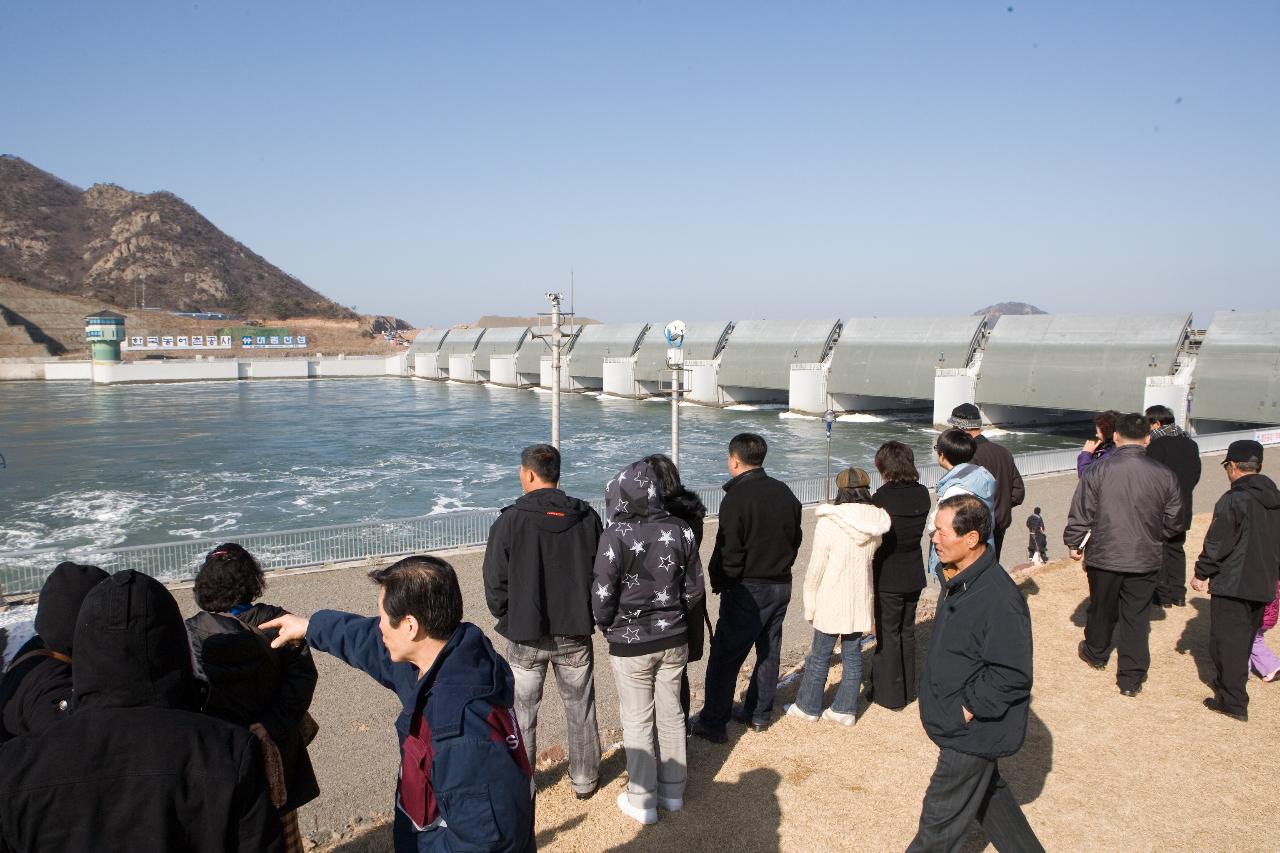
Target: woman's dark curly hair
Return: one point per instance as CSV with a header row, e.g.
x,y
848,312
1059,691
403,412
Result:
x,y
230,576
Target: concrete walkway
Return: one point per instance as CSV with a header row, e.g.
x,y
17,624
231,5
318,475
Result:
x,y
355,754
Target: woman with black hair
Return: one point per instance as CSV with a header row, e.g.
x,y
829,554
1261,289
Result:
x,y
689,508
251,684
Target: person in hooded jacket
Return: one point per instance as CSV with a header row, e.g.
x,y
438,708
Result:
x,y
135,767
839,597
35,691
1101,445
1239,567
1178,451
465,780
537,580
266,690
689,508
955,450
647,579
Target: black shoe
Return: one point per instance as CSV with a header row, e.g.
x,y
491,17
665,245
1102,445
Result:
x,y
585,795
697,728
758,727
1216,707
1084,656
1131,691
1177,602
738,715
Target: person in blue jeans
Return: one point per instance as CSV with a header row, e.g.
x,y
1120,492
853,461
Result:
x,y
839,598
464,775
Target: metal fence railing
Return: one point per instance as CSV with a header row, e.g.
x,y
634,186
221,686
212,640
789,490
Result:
x,y
23,572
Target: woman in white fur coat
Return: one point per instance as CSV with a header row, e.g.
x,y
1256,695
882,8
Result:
x,y
839,596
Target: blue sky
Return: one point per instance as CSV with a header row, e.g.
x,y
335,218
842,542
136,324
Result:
x,y
441,161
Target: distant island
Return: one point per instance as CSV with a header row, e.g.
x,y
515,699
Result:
x,y
994,312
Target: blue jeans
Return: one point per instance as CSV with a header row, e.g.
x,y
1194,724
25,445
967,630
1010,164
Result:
x,y
818,664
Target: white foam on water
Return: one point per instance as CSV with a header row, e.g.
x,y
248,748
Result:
x,y
860,418
989,431
756,407
796,416
101,518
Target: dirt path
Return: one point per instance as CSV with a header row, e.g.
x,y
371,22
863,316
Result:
x,y
1098,771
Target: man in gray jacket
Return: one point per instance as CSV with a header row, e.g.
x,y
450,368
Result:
x,y
1125,507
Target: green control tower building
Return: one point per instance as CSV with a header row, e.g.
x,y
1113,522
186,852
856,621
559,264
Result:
x,y
104,331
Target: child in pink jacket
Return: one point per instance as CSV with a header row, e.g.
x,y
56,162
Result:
x,y
1264,661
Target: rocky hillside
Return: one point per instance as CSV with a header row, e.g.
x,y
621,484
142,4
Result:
x,y
106,243
994,312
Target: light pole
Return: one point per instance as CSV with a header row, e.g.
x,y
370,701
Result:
x,y
674,334
828,418
555,368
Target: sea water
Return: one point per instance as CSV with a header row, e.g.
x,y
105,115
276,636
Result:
x,y
142,464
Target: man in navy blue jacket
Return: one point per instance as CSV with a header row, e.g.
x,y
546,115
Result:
x,y
464,776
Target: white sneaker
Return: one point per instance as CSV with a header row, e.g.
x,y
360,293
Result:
x,y
834,716
644,816
671,804
793,710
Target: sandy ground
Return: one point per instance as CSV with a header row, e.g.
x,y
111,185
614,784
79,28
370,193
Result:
x,y
1098,771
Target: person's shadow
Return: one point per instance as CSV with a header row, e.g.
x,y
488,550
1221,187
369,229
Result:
x,y
1195,640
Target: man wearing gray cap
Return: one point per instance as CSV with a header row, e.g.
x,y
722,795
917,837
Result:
x,y
1239,566
999,462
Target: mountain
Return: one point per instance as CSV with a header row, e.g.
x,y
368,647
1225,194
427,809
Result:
x,y
994,312
112,245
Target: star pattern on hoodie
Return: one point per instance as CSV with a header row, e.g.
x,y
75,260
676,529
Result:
x,y
631,634
666,538
662,624
631,615
622,506
662,597
603,592
630,580
653,491
637,547
667,563
611,555
622,527
688,535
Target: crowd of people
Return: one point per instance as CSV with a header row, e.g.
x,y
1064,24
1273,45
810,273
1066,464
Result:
x,y
124,727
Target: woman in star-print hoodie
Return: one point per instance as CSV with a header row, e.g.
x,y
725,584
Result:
x,y
647,575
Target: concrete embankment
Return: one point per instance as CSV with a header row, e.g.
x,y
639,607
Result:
x,y
355,754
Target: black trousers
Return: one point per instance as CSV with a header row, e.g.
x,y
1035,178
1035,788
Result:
x,y
1123,600
1038,542
998,534
965,788
1172,583
893,666
751,616
1233,623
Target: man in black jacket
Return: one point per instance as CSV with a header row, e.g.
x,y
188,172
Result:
x,y
1124,508
537,580
1239,567
997,459
756,543
1180,453
975,692
135,767
35,692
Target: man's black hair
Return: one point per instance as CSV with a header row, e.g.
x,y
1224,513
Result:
x,y
543,460
1160,415
425,588
230,576
1037,510
896,463
957,446
1133,426
748,448
971,514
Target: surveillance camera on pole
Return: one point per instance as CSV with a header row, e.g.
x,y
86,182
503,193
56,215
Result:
x,y
674,333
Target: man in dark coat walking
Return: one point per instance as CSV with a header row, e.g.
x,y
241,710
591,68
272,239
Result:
x,y
1239,567
537,581
997,459
975,692
1180,453
1124,508
135,767
756,544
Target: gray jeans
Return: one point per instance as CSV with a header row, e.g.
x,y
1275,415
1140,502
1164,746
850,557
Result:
x,y
572,660
649,706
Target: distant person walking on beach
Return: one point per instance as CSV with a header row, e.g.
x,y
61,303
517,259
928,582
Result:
x,y
647,581
537,581
975,692
997,459
1037,541
1101,445
1179,451
898,575
464,781
955,449
756,544
1239,567
1124,508
839,597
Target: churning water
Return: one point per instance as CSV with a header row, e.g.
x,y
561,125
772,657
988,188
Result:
x,y
141,464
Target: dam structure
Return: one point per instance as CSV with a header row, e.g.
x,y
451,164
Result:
x,y
1022,370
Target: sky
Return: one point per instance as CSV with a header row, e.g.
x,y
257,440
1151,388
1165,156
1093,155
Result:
x,y
440,161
